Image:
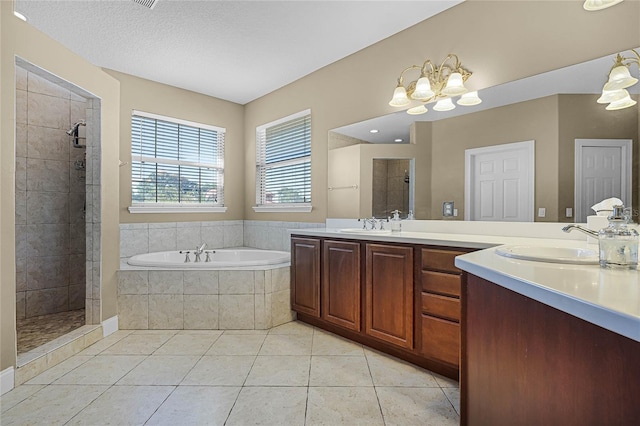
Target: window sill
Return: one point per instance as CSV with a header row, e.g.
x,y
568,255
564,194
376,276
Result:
x,y
177,209
282,209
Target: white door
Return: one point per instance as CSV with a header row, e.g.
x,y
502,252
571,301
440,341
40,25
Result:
x,y
603,170
499,182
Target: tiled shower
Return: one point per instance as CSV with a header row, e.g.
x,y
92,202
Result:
x,y
57,197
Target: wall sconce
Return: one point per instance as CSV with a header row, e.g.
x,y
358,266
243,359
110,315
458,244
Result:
x,y
613,92
435,84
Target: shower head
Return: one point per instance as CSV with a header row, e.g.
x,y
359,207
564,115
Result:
x,y
74,128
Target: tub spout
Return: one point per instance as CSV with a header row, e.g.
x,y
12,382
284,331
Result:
x,y
582,229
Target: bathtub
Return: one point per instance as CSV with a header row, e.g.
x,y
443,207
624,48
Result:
x,y
221,259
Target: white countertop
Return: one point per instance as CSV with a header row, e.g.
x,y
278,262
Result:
x,y
607,298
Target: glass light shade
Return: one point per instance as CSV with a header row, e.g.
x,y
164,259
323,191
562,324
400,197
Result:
x,y
609,96
454,86
423,89
592,5
469,99
620,78
421,109
399,98
444,105
625,102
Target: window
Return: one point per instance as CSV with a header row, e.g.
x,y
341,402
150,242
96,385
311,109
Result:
x,y
176,165
283,164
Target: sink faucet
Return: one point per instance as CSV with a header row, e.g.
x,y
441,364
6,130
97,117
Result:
x,y
199,251
582,229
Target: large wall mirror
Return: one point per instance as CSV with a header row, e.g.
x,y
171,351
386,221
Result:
x,y
551,114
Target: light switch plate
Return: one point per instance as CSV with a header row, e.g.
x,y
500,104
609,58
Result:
x,y
569,212
542,212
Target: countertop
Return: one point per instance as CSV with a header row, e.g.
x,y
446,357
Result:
x,y
607,298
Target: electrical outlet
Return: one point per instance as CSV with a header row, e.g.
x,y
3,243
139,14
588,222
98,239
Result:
x,y
569,212
542,212
447,208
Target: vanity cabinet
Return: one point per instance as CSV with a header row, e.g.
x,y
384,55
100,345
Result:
x,y
389,294
305,276
341,284
441,286
402,299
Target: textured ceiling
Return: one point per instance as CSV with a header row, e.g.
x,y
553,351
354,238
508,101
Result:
x,y
233,50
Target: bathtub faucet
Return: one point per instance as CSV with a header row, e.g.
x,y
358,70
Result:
x,y
199,251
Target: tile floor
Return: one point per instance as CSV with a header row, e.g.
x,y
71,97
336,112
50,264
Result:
x,y
293,374
36,331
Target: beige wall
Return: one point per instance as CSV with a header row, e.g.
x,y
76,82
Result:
x,y
499,41
148,96
344,173
17,38
582,118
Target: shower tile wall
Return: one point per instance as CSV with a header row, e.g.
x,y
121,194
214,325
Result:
x,y
50,194
390,180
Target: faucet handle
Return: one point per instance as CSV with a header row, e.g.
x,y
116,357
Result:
x,y
186,253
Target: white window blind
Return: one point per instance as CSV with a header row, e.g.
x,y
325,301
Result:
x,y
283,161
175,162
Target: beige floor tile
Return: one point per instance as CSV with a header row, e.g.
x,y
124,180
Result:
x,y
333,406
246,331
339,371
17,395
196,405
269,406
220,371
54,373
52,405
160,370
211,333
293,327
416,406
105,343
330,344
282,344
101,370
445,382
389,371
280,371
171,332
121,405
138,344
453,395
187,344
237,344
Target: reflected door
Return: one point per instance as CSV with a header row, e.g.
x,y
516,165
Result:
x,y
499,183
603,170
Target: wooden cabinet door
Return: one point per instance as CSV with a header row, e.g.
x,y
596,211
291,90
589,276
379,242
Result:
x,y
305,276
341,284
389,294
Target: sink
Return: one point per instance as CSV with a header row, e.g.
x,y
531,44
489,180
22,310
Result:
x,y
551,254
366,231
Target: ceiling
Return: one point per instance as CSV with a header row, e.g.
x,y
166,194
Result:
x,y
233,50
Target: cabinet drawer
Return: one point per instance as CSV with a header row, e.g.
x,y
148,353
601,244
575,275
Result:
x,y
441,340
441,260
441,283
441,306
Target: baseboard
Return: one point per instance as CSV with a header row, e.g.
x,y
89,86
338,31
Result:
x,y
7,380
109,326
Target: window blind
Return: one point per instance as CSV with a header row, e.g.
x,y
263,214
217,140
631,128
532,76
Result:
x,y
283,161
176,162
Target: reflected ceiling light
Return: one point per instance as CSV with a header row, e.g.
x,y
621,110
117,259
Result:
x,y
469,99
445,104
434,84
373,131
592,5
619,79
19,15
397,140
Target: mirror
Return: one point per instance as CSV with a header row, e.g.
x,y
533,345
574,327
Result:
x,y
553,109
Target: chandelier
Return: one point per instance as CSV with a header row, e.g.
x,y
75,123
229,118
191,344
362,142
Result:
x,y
435,84
613,92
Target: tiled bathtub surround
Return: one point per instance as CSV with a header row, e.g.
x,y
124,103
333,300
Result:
x,y
208,300
137,238
50,196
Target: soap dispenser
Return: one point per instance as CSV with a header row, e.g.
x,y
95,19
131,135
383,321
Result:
x,y
396,224
618,243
